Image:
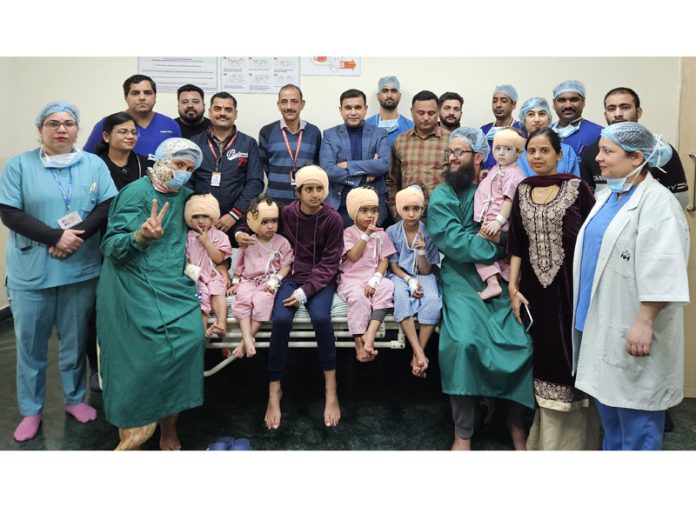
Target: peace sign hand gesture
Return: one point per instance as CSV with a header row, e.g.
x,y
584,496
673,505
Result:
x,y
152,227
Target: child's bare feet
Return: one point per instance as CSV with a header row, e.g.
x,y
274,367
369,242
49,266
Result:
x,y
332,411
272,417
369,346
240,350
215,330
360,352
492,289
249,346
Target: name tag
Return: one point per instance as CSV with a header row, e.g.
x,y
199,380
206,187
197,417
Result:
x,y
215,179
69,220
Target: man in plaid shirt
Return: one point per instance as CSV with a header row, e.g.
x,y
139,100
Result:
x,y
418,155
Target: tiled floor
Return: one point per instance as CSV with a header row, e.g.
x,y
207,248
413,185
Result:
x,y
383,408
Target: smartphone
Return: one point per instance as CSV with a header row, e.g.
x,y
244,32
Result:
x,y
526,317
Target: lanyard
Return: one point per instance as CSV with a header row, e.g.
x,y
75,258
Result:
x,y
287,145
65,194
218,157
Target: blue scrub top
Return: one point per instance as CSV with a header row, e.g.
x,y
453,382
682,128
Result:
x,y
27,185
592,242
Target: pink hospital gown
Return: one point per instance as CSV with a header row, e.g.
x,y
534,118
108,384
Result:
x,y
499,183
255,264
210,282
355,275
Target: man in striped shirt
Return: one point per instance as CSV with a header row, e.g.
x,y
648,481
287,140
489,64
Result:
x,y
287,145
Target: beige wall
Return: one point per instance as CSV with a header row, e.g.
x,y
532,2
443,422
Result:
x,y
94,84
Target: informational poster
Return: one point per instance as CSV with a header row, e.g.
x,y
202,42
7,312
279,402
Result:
x,y
330,66
258,74
171,72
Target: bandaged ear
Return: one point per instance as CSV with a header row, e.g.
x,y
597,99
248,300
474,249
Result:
x,y
203,204
263,212
314,175
409,196
358,198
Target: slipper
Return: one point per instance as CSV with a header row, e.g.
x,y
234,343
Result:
x,y
241,444
222,444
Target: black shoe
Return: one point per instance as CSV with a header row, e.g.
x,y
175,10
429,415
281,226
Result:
x,y
94,382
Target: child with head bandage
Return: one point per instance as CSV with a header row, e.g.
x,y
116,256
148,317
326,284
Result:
x,y
362,284
258,272
413,270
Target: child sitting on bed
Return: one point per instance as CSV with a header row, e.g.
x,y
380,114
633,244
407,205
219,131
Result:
x,y
362,285
258,271
206,247
413,270
493,202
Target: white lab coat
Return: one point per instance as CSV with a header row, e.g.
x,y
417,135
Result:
x,y
643,257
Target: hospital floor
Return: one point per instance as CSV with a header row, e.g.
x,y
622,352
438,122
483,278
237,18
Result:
x,y
383,407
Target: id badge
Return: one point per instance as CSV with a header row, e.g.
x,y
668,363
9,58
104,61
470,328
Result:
x,y
292,177
215,179
69,220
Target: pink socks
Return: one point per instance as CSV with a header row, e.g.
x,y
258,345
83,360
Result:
x,y
28,428
82,412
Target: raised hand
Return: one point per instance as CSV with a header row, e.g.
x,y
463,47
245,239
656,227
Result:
x,y
419,244
152,227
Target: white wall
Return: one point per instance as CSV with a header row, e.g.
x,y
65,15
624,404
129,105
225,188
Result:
x,y
94,84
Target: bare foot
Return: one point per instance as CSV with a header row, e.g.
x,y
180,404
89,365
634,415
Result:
x,y
332,411
360,353
215,330
419,363
272,417
369,346
491,291
249,346
169,440
239,350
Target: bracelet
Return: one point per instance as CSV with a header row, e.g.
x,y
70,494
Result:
x,y
365,237
501,219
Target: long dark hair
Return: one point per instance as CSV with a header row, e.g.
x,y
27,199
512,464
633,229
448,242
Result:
x,y
108,125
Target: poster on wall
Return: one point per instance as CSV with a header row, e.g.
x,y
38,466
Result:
x,y
330,66
258,74
171,72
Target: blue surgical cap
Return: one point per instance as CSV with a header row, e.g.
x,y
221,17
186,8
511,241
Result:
x,y
178,148
632,136
569,86
57,107
475,137
508,90
534,103
388,80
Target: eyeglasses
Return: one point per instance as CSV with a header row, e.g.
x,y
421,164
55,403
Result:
x,y
457,153
54,124
125,132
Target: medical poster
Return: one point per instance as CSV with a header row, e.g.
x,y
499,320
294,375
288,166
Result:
x,y
258,74
330,66
171,72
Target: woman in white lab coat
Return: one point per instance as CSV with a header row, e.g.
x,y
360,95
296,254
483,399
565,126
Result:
x,y
630,286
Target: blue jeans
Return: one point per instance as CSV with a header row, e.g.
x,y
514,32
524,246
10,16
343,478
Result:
x,y
34,313
627,429
319,309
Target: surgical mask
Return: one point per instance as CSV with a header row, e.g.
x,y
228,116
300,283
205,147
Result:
x,y
491,133
620,185
389,125
59,161
567,131
180,179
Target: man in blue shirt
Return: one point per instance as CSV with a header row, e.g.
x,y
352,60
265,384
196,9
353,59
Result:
x,y
569,102
140,92
389,96
503,103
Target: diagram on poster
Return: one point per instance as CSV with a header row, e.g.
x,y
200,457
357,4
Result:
x,y
330,66
258,74
171,72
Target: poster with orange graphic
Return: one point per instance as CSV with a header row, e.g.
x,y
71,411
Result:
x,y
330,66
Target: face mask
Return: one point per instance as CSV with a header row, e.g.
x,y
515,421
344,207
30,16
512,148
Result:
x,y
491,133
179,180
620,185
59,161
389,125
567,131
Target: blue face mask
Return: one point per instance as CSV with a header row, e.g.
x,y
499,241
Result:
x,y
620,185
491,133
179,180
567,131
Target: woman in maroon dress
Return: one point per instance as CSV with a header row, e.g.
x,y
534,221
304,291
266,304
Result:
x,y
547,213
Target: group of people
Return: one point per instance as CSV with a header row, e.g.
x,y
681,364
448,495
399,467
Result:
x,y
553,293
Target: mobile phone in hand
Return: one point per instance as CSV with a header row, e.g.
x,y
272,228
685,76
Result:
x,y
526,317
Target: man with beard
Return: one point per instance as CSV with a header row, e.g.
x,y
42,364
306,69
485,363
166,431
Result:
x,y
623,104
574,130
388,118
450,110
483,351
140,93
191,104
287,145
503,103
231,169
418,155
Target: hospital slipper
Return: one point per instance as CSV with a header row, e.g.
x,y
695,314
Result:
x,y
222,444
241,444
